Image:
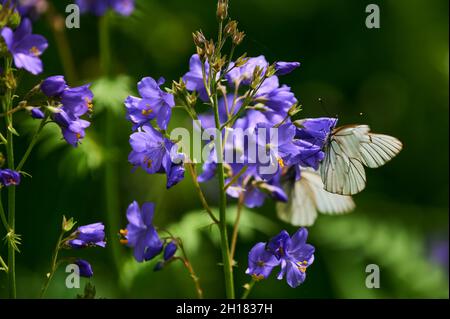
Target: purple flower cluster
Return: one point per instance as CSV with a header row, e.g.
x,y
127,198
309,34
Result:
x,y
142,236
9,177
92,235
292,254
99,7
279,143
151,150
25,47
72,103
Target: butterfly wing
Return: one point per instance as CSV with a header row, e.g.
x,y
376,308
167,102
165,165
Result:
x,y
307,197
349,149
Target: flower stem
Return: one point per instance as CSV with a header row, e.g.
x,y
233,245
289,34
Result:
x,y
236,227
3,264
57,25
191,170
32,144
189,267
228,268
111,182
54,266
248,289
3,216
7,104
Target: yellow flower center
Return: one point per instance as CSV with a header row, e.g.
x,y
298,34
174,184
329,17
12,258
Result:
x,y
35,51
280,162
147,112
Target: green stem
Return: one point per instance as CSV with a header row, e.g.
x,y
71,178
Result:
x,y
57,25
33,142
111,181
12,189
248,289
54,266
3,216
227,265
191,271
3,264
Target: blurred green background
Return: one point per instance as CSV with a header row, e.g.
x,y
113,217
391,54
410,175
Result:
x,y
394,78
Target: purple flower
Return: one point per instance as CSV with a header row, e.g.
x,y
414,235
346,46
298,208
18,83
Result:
x,y
85,268
261,262
53,86
89,235
194,78
292,253
99,7
295,255
278,99
244,74
275,148
25,47
156,154
37,113
140,232
77,101
72,127
315,131
9,177
170,250
283,68
155,103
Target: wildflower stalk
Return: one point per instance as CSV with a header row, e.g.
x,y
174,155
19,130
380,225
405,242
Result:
x,y
236,226
7,104
111,182
248,288
191,169
57,25
227,266
3,264
54,265
2,215
191,271
33,142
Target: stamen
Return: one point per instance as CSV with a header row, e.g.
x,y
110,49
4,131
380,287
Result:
x,y
78,136
124,241
280,162
89,104
123,232
35,51
147,112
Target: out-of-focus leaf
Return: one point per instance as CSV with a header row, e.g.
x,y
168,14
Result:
x,y
349,244
109,93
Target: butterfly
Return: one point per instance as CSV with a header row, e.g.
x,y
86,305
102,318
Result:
x,y
307,197
347,150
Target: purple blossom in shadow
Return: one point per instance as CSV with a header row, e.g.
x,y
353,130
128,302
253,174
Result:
x,y
140,232
8,177
88,236
37,113
85,268
25,47
194,78
283,68
99,7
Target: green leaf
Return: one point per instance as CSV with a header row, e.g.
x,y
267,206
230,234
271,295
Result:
x,y
110,93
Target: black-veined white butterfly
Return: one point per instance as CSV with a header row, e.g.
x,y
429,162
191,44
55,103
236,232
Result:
x,y
347,150
307,197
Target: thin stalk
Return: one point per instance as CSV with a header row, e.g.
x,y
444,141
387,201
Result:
x,y
54,265
33,142
57,25
12,189
111,180
236,226
3,264
228,269
3,216
191,271
191,170
248,289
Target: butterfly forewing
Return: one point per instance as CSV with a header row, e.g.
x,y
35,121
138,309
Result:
x,y
348,150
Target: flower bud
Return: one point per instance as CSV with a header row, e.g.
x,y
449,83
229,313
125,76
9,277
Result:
x,y
231,28
238,37
67,225
222,9
199,38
